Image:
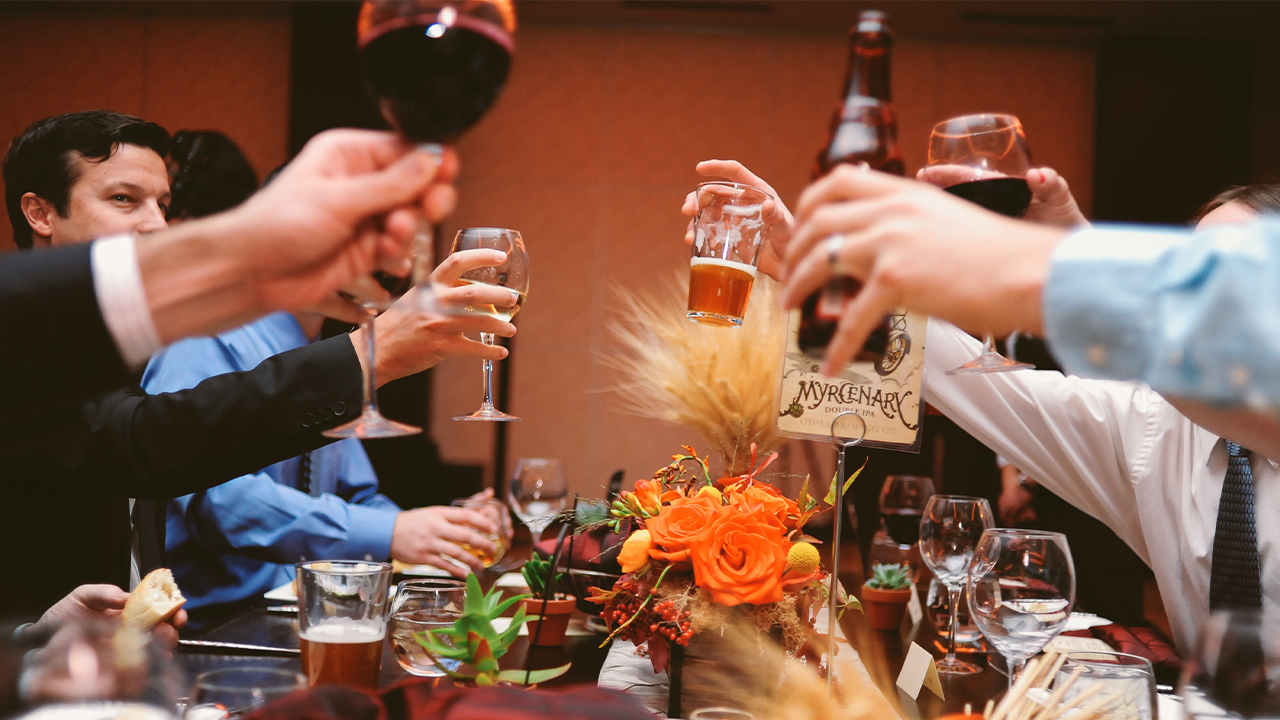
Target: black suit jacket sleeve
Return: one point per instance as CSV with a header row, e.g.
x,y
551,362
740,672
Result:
x,y
136,445
57,351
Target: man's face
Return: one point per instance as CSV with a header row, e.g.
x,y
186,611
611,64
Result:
x,y
126,193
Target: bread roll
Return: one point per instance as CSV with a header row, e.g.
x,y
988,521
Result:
x,y
154,600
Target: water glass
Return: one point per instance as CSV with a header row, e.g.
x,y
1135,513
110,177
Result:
x,y
1130,678
232,692
1022,584
422,605
1235,669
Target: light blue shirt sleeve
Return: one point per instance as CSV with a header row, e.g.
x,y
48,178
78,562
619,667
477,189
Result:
x,y
1193,314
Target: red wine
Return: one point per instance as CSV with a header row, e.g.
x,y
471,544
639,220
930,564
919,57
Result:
x,y
903,525
432,82
1007,195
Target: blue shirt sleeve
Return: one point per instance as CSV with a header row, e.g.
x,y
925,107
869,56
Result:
x,y
1194,315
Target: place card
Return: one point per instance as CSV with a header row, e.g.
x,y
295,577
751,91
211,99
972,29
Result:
x,y
914,608
918,671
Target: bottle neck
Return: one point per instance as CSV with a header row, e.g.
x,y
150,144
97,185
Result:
x,y
869,70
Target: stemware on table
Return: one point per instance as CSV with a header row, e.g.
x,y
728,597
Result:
x,y
1235,671
513,274
949,532
983,159
538,492
236,691
1022,585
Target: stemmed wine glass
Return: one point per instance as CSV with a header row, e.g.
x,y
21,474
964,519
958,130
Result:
x,y
983,159
1022,584
513,274
233,692
538,492
949,531
434,67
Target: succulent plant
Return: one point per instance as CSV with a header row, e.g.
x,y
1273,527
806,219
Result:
x,y
474,641
538,576
889,576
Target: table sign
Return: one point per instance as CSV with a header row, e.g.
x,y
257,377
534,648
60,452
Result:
x,y
885,395
919,670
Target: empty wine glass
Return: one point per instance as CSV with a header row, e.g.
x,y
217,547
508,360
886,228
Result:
x,y
513,274
538,492
1235,671
1022,584
949,531
983,159
232,692
902,502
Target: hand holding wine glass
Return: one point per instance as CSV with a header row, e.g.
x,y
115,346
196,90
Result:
x,y
1022,586
512,274
949,532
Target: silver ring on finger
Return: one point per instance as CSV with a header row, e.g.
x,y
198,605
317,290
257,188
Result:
x,y
834,244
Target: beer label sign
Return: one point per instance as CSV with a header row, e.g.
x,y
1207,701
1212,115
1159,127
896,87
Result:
x,y
885,396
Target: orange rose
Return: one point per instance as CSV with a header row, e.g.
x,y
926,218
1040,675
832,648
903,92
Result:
x,y
679,524
741,557
764,498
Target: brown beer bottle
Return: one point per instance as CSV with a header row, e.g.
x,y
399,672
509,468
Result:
x,y
864,131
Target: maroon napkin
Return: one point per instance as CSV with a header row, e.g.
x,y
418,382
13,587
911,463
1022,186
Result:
x,y
1144,642
593,550
417,699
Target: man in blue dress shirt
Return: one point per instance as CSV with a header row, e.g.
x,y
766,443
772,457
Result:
x,y
240,539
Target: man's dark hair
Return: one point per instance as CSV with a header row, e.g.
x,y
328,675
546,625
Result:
x,y
1263,199
212,174
41,159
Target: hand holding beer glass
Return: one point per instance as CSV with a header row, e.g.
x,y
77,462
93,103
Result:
x,y
342,620
495,510
728,234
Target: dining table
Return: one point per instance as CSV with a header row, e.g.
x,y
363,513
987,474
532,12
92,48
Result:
x,y
265,634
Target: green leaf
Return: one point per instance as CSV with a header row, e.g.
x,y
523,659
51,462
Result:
x,y
831,494
482,657
509,635
511,601
475,597
483,680
535,676
802,499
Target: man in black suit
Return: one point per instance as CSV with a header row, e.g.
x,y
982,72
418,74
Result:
x,y
72,469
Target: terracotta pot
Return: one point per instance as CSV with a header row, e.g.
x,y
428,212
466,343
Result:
x,y
884,608
555,620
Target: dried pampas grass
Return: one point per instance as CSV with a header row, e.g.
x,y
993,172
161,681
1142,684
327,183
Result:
x,y
718,381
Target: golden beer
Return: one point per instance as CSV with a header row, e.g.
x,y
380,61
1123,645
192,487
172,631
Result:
x,y
718,291
343,651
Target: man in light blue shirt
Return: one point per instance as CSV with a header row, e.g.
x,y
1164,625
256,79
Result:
x,y
240,539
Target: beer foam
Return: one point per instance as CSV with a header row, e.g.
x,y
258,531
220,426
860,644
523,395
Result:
x,y
344,630
724,263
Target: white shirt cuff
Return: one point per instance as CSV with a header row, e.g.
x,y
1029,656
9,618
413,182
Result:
x,y
117,283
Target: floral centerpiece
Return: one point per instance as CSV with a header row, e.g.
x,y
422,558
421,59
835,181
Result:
x,y
702,553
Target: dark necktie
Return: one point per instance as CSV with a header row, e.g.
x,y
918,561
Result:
x,y
1234,583
304,473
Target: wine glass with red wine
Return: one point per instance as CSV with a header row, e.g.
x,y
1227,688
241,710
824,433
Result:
x,y
983,159
435,68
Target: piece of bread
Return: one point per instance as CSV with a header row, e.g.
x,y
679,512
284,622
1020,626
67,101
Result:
x,y
155,600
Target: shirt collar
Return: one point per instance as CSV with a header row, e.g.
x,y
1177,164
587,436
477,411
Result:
x,y
1206,443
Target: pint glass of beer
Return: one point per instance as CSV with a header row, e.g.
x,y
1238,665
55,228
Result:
x,y
342,620
728,234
